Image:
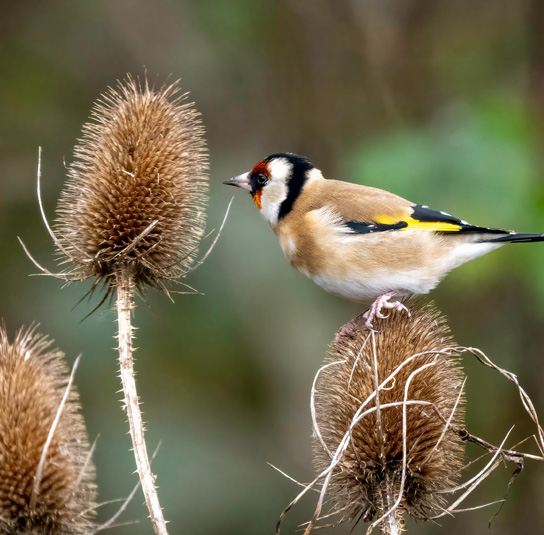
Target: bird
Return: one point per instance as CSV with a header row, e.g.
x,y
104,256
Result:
x,y
359,242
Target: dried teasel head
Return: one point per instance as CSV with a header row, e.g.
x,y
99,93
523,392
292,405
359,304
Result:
x,y
46,473
397,458
137,189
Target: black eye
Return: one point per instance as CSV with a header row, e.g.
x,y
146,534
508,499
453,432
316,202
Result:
x,y
261,179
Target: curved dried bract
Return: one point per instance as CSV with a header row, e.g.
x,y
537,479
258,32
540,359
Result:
x,y
137,189
46,474
402,449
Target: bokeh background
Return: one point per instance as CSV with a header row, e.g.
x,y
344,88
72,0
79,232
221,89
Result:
x,y
439,101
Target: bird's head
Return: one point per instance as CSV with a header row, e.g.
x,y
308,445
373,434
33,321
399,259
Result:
x,y
275,183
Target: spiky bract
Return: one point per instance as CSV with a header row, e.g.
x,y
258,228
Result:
x,y
33,380
366,482
137,190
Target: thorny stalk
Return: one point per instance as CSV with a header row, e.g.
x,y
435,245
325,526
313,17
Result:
x,y
391,521
110,523
125,288
125,304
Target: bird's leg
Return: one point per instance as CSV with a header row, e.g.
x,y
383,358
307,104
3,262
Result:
x,y
375,310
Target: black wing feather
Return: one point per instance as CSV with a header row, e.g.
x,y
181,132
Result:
x,y
426,215
360,227
423,214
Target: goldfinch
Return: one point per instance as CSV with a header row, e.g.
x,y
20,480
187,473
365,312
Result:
x,y
359,242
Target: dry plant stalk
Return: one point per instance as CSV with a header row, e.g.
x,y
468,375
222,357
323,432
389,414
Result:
x,y
132,215
388,410
46,473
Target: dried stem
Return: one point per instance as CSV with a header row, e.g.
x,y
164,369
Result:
x,y
125,304
391,522
111,522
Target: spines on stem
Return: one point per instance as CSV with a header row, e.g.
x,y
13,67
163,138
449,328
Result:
x,y
137,189
403,451
46,474
132,215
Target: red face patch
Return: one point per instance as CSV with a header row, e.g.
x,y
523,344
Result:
x,y
257,198
260,169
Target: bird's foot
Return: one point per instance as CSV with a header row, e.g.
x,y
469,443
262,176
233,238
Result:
x,y
375,311
382,302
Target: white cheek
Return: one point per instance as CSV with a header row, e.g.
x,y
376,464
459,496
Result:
x,y
273,195
280,169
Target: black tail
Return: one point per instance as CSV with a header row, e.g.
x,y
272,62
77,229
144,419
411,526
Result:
x,y
517,238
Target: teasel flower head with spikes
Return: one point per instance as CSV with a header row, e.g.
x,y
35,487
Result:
x,y
386,404
132,215
46,473
137,189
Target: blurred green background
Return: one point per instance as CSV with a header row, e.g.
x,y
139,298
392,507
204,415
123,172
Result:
x,y
439,101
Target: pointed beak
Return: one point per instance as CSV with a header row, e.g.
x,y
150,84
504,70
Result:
x,y
240,181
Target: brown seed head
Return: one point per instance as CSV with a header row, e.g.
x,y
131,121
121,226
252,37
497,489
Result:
x,y
33,380
137,189
367,480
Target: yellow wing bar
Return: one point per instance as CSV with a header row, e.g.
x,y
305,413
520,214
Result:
x,y
411,223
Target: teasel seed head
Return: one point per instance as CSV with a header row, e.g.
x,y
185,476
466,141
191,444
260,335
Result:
x,y
368,481
137,189
55,493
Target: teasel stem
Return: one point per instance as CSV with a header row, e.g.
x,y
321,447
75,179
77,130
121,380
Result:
x,y
125,304
132,216
392,523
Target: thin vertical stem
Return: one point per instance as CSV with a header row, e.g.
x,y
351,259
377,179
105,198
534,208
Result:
x,y
392,523
125,304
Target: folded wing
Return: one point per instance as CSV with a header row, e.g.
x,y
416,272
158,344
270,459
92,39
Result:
x,y
423,218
